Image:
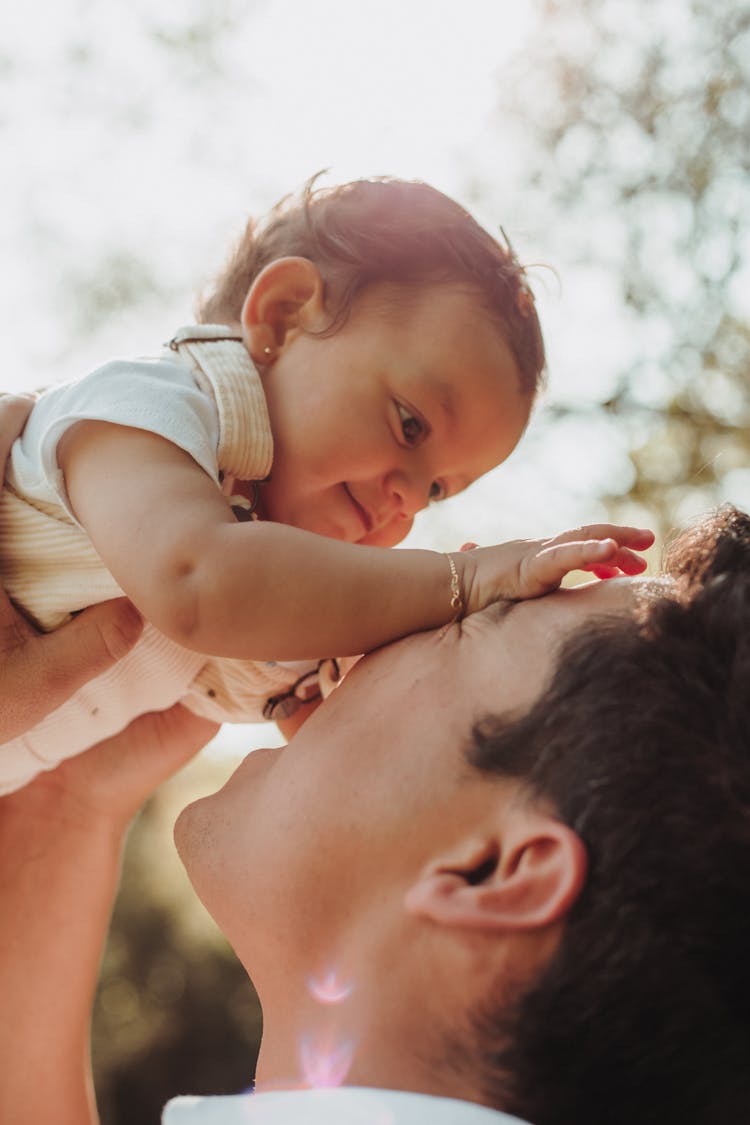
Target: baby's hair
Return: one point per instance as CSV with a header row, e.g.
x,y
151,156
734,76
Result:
x,y
385,230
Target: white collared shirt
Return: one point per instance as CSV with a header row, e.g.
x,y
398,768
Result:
x,y
345,1105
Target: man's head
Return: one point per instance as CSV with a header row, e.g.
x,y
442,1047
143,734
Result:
x,y
516,856
641,744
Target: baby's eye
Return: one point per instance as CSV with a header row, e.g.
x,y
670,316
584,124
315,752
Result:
x,y
437,491
413,428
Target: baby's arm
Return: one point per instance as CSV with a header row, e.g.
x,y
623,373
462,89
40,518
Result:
x,y
260,590
250,590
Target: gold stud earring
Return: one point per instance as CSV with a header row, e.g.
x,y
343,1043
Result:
x,y
267,350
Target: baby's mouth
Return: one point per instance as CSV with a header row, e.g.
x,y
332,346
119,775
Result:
x,y
363,514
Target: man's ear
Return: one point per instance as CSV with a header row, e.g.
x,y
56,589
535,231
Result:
x,y
286,295
525,878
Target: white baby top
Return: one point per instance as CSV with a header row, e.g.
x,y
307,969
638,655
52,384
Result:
x,y
204,395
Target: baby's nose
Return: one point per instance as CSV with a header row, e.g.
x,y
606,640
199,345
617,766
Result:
x,y
408,492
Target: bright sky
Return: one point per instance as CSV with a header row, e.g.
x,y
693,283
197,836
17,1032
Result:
x,y
144,134
140,136
137,137
120,143
404,88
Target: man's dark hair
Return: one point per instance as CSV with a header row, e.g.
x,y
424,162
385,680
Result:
x,y
386,230
642,744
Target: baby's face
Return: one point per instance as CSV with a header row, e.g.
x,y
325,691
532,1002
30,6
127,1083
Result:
x,y
410,401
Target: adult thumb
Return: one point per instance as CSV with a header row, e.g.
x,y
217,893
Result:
x,y
86,646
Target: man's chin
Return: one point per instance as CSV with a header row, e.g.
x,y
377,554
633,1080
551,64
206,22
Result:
x,y
194,832
184,829
201,850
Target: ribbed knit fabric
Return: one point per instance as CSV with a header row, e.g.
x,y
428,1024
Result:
x,y
51,570
47,562
245,440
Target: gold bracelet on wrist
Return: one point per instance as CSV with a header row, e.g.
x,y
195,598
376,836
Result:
x,y
457,600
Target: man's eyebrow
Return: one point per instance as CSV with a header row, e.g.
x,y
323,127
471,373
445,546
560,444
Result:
x,y
500,609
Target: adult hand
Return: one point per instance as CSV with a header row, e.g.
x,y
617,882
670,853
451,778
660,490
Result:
x,y
105,786
38,673
60,842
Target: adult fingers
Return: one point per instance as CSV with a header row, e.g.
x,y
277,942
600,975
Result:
x,y
39,673
89,644
108,783
165,740
120,774
14,410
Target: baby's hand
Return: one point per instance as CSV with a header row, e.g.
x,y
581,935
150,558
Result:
x,y
528,568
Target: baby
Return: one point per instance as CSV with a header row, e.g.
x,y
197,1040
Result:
x,y
369,349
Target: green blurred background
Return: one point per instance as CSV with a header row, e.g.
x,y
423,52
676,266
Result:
x,y
610,139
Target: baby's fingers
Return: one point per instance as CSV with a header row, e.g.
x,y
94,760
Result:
x,y
636,538
545,570
604,557
621,558
623,561
603,571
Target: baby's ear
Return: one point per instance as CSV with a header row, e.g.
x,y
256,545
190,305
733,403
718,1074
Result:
x,y
286,296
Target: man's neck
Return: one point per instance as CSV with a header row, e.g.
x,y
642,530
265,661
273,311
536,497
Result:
x,y
342,1042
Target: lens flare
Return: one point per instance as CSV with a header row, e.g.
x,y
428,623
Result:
x,y
325,1065
329,989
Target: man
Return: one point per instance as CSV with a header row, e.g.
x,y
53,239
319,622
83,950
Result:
x,y
502,870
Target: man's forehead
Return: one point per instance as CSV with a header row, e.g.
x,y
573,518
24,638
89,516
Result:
x,y
519,625
508,630
497,611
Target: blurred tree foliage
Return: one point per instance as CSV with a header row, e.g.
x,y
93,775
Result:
x,y
636,118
